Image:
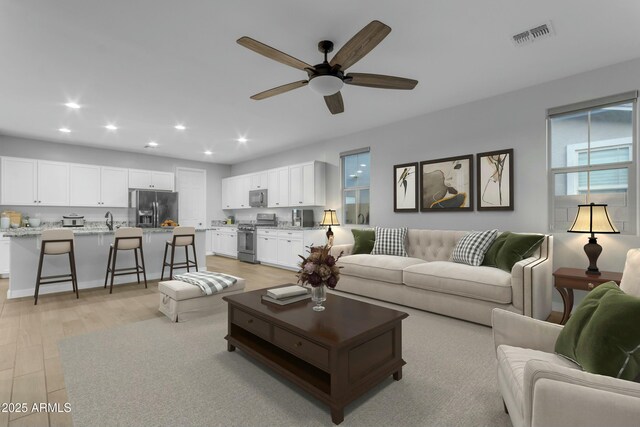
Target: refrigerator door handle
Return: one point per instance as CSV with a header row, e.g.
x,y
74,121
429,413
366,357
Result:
x,y
155,214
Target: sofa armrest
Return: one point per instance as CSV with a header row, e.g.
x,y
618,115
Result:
x,y
517,330
558,395
345,249
532,282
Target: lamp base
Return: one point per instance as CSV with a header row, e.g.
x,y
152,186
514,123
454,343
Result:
x,y
330,237
593,251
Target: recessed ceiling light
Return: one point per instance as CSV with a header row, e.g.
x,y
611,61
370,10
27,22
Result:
x,y
242,139
362,165
65,130
358,171
111,126
208,152
72,105
151,144
180,127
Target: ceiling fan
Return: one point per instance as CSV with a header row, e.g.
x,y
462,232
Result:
x,y
328,77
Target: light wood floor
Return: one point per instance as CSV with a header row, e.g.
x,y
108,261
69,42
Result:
x,y
30,369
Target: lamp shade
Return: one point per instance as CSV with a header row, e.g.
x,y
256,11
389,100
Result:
x,y
330,218
593,218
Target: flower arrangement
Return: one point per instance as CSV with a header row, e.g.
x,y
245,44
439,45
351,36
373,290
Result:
x,y
319,268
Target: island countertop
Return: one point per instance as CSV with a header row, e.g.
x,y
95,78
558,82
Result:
x,y
79,231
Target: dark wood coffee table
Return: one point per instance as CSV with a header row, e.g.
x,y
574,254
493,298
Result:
x,y
336,355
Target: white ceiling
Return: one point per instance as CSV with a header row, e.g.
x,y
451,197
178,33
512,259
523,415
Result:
x,y
149,64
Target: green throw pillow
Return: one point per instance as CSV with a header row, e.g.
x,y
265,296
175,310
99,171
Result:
x,y
490,257
516,248
608,343
363,241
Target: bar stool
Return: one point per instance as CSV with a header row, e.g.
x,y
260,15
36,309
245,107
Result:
x,y
182,236
57,242
126,239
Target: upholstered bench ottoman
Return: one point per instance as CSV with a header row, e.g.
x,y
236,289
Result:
x,y
180,300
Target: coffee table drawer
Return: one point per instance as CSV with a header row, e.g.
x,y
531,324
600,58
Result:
x,y
301,347
251,323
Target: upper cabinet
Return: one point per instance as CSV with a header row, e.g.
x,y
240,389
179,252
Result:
x,y
259,181
278,185
235,192
34,182
145,179
307,184
92,185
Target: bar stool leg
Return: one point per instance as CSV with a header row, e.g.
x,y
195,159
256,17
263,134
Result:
x,y
195,256
164,259
106,276
144,269
186,257
173,253
39,273
74,277
135,252
113,268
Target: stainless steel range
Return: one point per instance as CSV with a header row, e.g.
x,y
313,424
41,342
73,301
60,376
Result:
x,y
248,238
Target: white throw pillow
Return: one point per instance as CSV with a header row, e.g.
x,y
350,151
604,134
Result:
x,y
472,247
390,241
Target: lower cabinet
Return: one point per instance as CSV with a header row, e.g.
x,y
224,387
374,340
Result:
x,y
288,251
224,241
267,247
283,248
4,256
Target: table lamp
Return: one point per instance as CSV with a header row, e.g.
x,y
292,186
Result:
x,y
593,218
330,218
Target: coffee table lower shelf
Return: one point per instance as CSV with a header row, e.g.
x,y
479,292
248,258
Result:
x,y
314,380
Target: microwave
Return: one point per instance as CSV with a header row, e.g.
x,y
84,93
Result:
x,y
258,198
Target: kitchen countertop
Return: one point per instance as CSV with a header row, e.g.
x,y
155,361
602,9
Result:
x,y
79,231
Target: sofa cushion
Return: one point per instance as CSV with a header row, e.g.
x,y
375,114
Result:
x,y
517,247
385,268
363,240
490,257
390,241
511,363
484,283
471,248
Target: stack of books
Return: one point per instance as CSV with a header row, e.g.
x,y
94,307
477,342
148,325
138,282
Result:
x,y
286,295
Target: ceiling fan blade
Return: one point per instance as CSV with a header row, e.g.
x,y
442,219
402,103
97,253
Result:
x,y
379,81
272,53
334,102
360,44
278,90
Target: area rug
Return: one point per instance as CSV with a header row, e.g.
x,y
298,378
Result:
x,y
158,373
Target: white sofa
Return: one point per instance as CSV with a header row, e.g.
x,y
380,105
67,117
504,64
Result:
x,y
540,388
427,280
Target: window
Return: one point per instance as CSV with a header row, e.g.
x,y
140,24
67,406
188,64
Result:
x,y
355,186
592,159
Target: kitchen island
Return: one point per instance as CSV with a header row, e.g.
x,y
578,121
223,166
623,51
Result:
x,y
91,252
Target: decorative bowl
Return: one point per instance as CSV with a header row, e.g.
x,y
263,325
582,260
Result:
x,y
34,222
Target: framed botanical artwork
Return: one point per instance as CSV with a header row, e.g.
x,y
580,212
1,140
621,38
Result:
x,y
405,187
447,184
495,180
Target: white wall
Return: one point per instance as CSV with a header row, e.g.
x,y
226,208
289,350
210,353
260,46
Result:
x,y
36,149
512,120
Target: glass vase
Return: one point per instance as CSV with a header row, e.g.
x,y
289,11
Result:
x,y
319,295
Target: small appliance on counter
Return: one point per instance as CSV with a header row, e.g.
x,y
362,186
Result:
x,y
258,198
73,220
302,217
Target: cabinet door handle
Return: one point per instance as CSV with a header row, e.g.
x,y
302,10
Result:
x,y
298,344
277,203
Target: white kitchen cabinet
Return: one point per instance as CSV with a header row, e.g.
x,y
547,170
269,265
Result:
x,y
242,195
114,187
259,181
235,192
4,256
278,185
19,181
91,185
225,241
209,242
154,180
289,250
226,193
267,248
53,183
307,185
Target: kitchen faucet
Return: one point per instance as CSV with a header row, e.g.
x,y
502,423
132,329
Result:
x,y
109,220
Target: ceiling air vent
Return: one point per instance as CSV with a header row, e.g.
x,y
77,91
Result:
x,y
534,34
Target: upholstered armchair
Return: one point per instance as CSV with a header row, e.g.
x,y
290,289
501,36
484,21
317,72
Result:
x,y
540,388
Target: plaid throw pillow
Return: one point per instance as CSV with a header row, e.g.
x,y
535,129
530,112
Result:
x,y
472,247
390,241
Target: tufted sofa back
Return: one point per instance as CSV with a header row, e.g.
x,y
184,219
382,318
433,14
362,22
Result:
x,y
432,245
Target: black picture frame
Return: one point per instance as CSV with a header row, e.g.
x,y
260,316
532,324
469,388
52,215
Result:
x,y
439,192
405,187
494,173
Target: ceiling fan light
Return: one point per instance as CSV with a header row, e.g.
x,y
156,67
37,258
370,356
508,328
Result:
x,y
326,85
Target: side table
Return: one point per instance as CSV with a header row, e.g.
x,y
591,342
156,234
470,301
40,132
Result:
x,y
568,279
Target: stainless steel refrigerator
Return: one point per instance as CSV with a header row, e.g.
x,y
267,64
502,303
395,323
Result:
x,y
149,209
